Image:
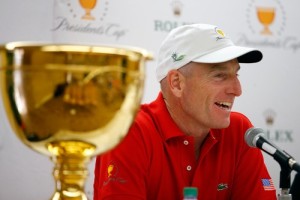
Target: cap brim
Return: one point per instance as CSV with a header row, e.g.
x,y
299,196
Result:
x,y
243,54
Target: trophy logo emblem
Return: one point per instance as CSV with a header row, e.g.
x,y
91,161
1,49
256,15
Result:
x,y
266,17
88,5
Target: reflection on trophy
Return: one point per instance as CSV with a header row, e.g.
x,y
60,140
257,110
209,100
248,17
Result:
x,y
266,16
88,5
71,102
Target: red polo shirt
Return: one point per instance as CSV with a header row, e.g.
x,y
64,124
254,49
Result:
x,y
156,160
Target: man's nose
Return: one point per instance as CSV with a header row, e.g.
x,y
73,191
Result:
x,y
235,87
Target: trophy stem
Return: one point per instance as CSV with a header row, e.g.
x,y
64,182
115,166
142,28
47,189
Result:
x,y
70,173
70,170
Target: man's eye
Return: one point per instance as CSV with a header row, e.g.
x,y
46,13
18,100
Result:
x,y
220,75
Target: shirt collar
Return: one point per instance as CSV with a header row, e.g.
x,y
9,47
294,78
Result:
x,y
165,124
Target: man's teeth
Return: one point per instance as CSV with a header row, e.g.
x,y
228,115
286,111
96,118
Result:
x,y
224,104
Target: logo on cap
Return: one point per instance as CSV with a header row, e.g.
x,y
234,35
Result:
x,y
176,57
220,33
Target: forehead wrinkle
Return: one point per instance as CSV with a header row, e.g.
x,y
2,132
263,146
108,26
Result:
x,y
224,67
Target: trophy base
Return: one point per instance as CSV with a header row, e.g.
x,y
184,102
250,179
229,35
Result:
x,y
79,195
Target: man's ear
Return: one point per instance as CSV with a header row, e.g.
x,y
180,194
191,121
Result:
x,y
176,82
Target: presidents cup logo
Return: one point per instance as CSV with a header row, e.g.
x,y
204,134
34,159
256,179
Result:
x,y
112,174
266,17
266,21
88,10
85,17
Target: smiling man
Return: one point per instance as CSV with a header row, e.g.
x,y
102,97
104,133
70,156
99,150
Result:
x,y
188,136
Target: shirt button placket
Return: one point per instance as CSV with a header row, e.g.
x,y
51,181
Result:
x,y
188,167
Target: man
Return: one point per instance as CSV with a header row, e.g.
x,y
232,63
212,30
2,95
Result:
x,y
188,136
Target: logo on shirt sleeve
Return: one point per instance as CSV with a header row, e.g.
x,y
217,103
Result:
x,y
268,184
112,172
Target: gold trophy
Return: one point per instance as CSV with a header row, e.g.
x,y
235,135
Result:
x,y
88,5
266,16
71,103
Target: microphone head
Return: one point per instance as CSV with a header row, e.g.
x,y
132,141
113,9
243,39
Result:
x,y
252,135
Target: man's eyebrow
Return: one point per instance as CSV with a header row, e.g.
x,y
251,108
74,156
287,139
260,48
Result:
x,y
221,67
217,67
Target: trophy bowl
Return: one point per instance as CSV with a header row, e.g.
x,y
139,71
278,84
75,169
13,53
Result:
x,y
71,102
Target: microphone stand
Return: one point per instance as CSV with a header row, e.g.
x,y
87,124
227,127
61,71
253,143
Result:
x,y
285,182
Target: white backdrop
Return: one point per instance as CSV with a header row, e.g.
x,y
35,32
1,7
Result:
x,y
270,97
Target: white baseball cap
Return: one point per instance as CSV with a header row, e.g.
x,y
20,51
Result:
x,y
202,43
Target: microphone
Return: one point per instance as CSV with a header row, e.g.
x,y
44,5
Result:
x,y
254,137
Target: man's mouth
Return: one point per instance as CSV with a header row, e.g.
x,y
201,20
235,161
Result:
x,y
224,105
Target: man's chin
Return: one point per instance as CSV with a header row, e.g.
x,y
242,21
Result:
x,y
224,124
